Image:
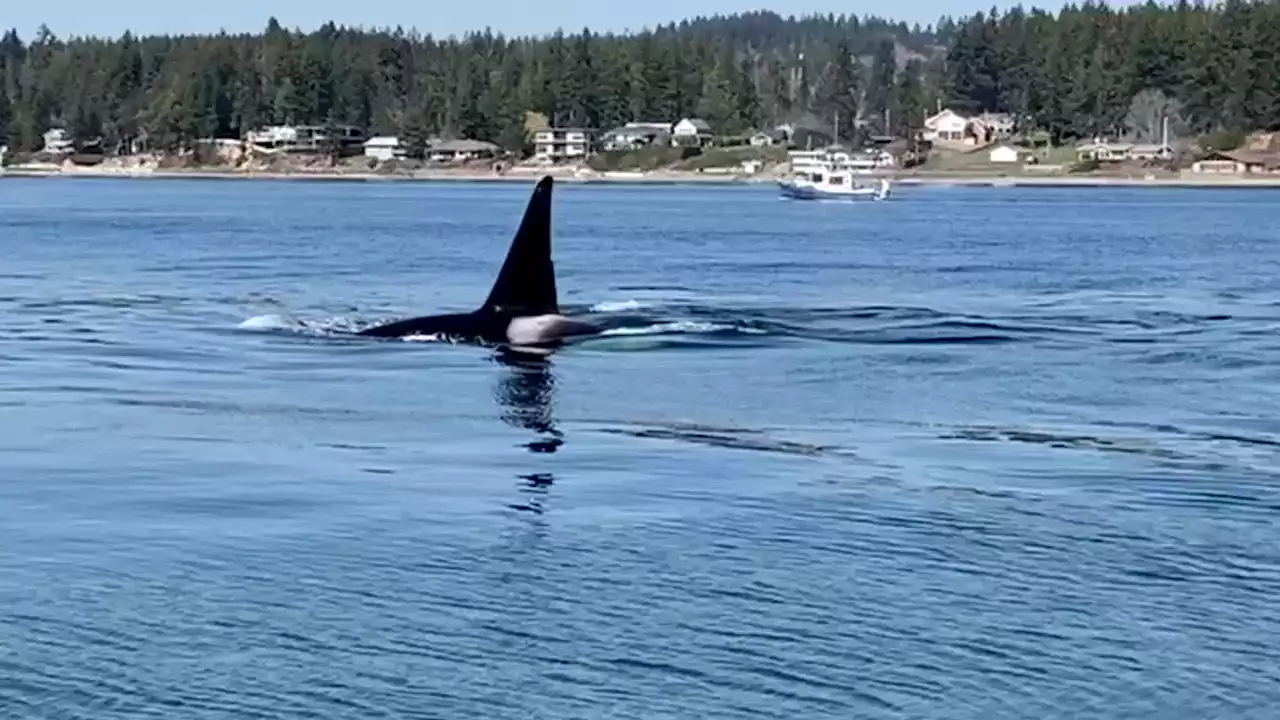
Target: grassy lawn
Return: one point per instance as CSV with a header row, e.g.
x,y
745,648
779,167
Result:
x,y
979,162
727,157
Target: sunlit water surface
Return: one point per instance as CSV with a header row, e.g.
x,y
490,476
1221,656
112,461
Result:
x,y
970,453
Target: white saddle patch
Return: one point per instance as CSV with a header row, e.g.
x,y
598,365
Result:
x,y
536,329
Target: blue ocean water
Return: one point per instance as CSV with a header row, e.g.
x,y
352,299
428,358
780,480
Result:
x,y
971,453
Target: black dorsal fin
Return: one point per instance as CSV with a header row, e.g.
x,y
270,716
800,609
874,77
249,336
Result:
x,y
526,285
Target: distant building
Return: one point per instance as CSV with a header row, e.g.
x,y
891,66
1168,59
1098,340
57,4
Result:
x,y
635,135
1239,162
306,138
58,142
1004,154
692,132
1100,150
383,148
997,126
463,150
767,138
558,145
949,128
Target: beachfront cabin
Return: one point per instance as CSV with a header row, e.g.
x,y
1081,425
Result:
x,y
769,138
691,132
1238,162
463,150
949,128
57,141
998,126
384,148
343,139
1103,151
1004,154
635,135
561,145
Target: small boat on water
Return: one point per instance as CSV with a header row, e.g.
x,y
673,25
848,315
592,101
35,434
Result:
x,y
832,183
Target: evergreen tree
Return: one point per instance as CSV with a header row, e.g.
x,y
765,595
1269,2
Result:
x,y
882,87
842,90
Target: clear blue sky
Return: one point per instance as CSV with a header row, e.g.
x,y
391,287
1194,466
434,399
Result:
x,y
439,17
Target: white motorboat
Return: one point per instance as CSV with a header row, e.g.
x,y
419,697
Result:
x,y
832,183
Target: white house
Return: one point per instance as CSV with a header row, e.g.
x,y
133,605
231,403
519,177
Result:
x,y
691,131
1239,162
947,126
1004,154
556,145
950,128
1104,151
383,148
291,138
766,138
635,135
462,150
58,142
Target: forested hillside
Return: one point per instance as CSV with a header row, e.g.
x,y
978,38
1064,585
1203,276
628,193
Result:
x,y
1074,73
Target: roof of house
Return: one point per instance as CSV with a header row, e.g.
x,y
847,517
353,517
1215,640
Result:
x,y
699,123
775,134
945,112
1267,159
465,145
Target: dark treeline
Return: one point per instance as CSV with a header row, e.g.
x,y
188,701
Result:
x,y
738,73
1072,74
1091,69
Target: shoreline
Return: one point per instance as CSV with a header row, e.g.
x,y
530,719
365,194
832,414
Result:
x,y
926,179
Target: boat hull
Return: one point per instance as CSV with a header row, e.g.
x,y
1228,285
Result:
x,y
797,191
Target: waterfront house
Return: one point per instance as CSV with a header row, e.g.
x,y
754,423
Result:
x,y
306,138
693,132
997,126
768,138
559,145
1239,162
635,135
948,128
1004,154
1103,151
462,151
383,148
58,142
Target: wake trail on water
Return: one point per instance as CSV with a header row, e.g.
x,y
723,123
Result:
x,y
673,322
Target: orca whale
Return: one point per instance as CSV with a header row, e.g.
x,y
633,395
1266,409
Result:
x,y
522,309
